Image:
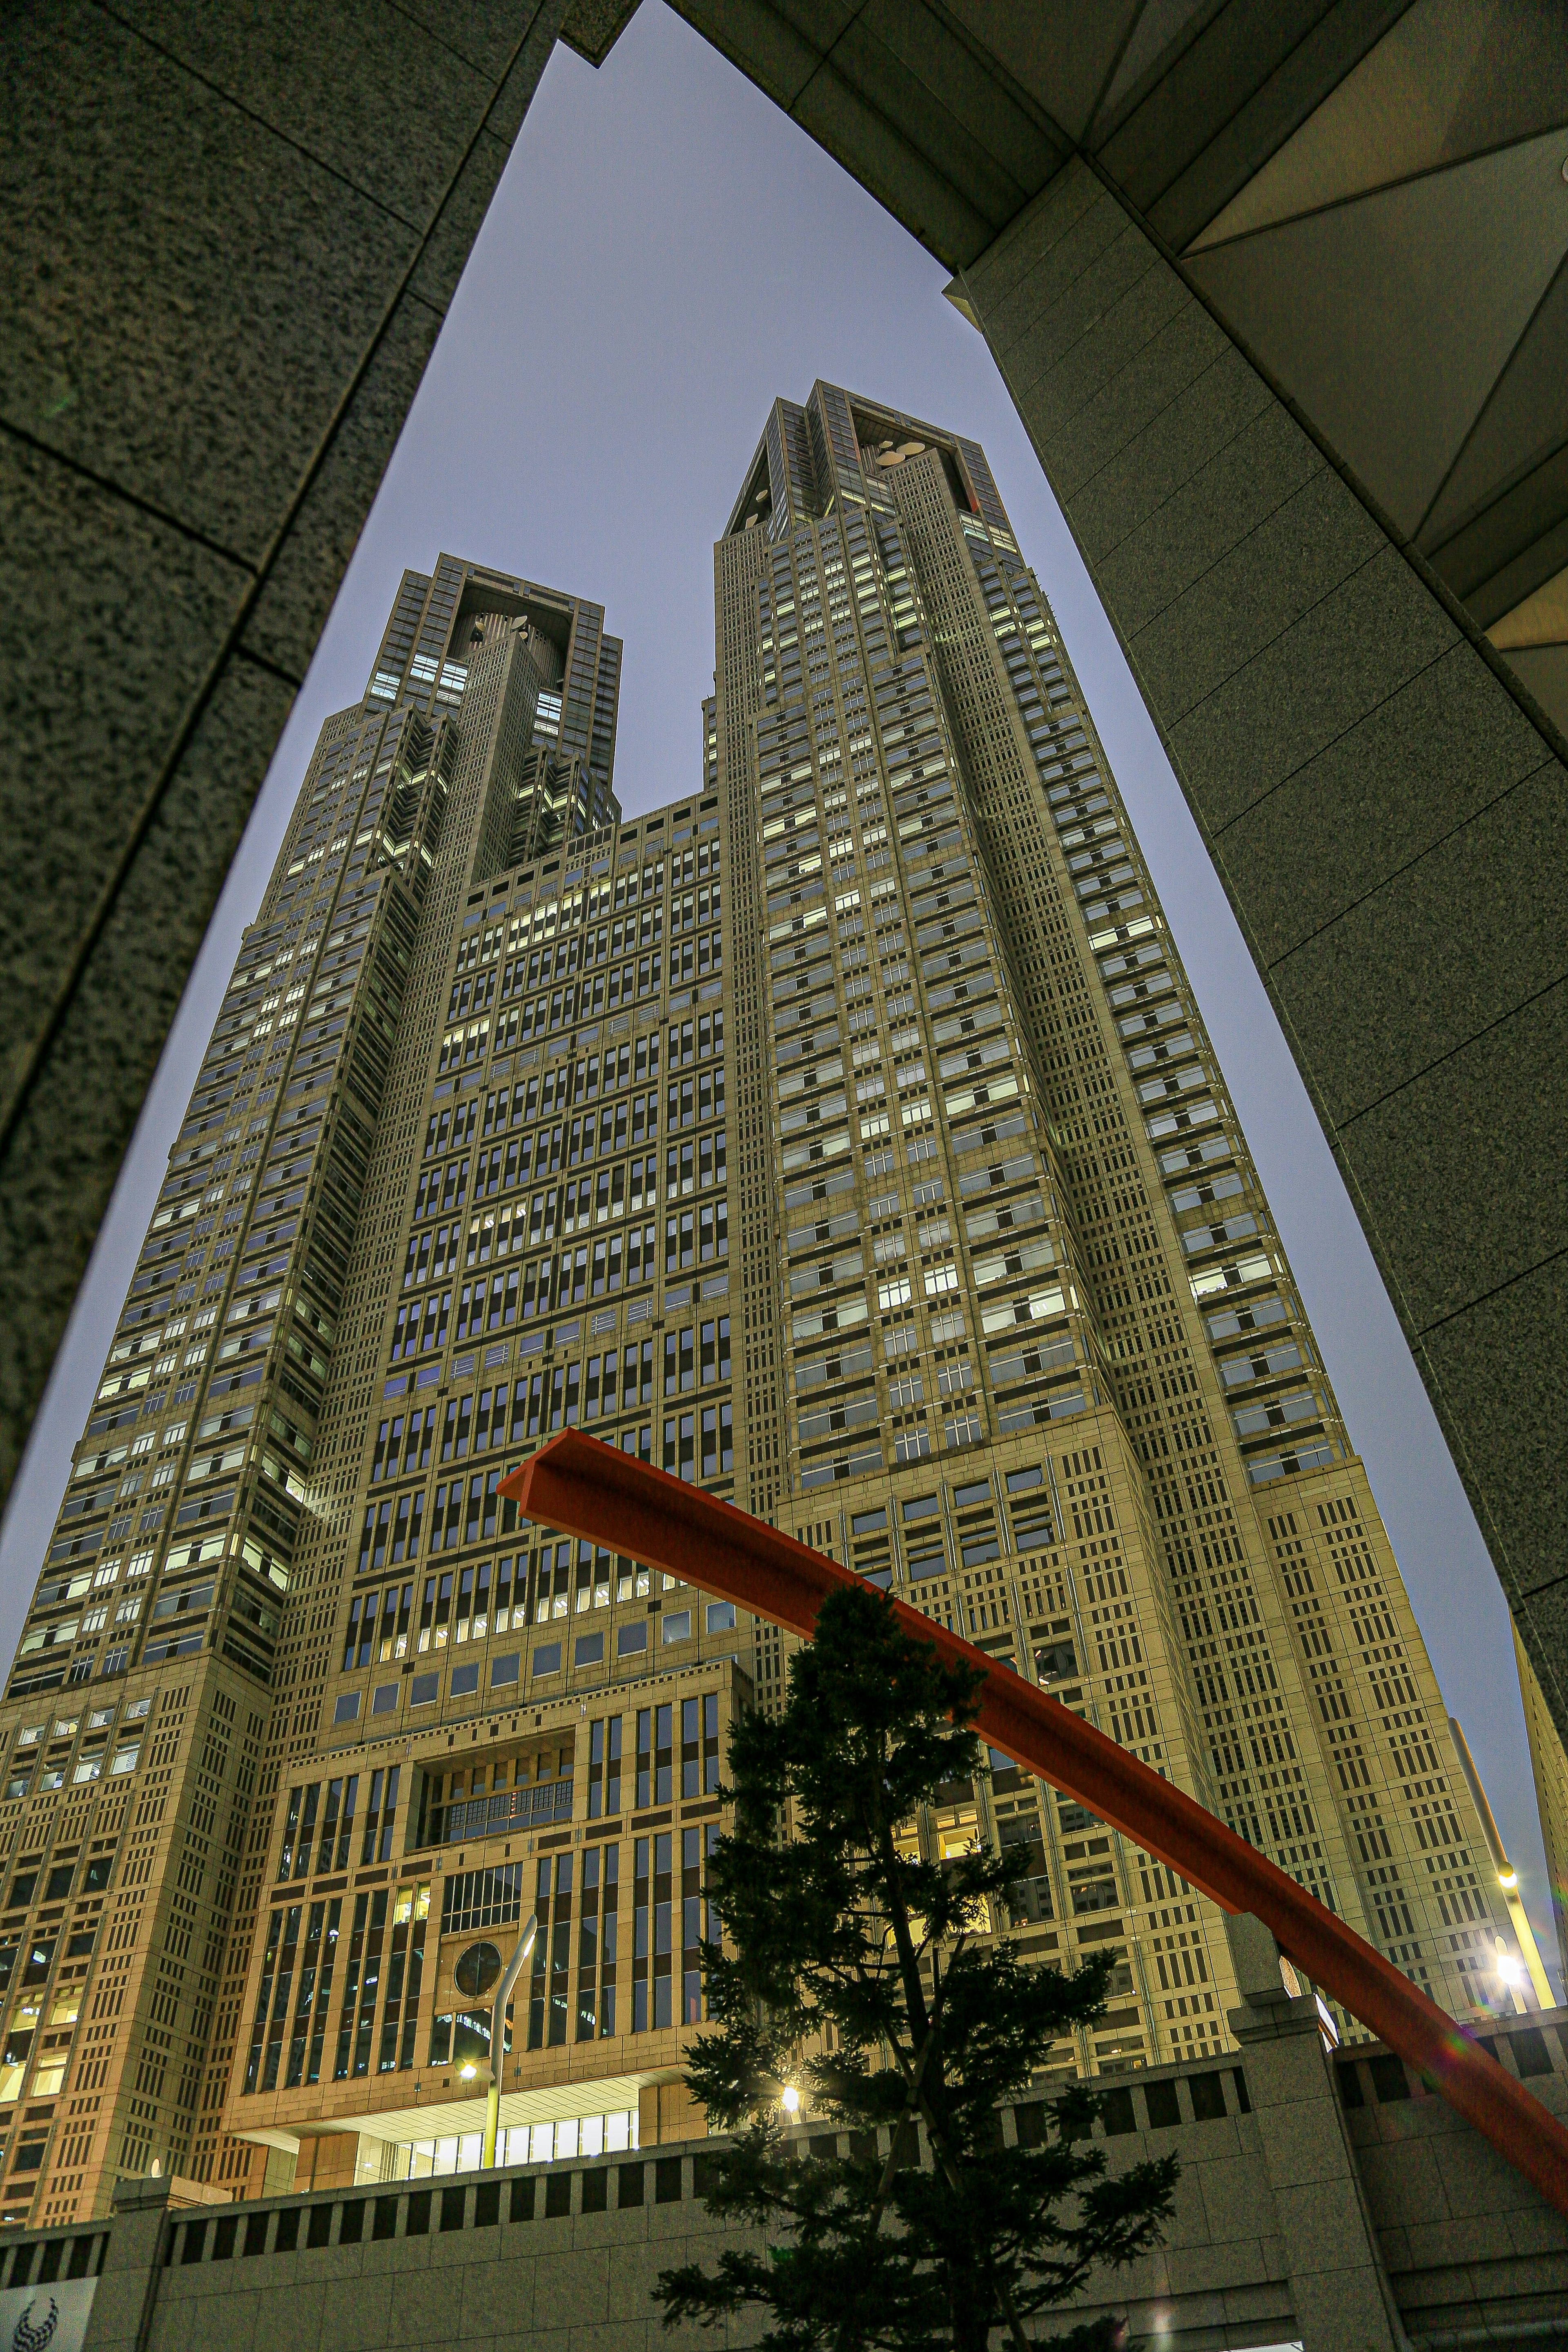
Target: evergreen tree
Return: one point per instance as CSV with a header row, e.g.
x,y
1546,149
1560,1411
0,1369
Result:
x,y
855,1978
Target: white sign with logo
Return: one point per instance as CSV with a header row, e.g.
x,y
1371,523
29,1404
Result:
x,y
51,2318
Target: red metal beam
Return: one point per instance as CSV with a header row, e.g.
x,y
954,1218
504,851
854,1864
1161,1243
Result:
x,y
589,1490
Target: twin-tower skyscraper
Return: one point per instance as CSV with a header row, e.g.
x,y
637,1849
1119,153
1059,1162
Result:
x,y
844,1135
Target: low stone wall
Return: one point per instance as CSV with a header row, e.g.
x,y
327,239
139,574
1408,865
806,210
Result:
x,y
1323,2200
1468,2246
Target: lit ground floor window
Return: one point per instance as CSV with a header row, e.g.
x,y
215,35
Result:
x,y
546,2143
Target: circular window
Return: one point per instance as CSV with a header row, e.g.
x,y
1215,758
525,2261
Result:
x,y
478,1969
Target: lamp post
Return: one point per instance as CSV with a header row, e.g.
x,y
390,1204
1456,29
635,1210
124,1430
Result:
x,y
1520,1973
510,1976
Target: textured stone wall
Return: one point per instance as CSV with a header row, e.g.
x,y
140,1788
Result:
x,y
1320,2199
233,232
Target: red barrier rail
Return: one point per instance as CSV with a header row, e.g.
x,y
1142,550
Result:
x,y
589,1490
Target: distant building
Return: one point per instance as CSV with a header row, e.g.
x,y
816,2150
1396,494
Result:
x,y
1549,1766
844,1135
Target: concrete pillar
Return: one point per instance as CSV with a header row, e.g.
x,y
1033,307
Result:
x,y
144,2212
1338,2286
121,2314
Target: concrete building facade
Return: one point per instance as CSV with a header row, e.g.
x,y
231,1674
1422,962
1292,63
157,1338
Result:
x,y
1549,1764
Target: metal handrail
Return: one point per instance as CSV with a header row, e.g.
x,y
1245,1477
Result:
x,y
503,1809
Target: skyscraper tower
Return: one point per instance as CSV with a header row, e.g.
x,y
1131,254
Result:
x,y
843,1137
1039,1359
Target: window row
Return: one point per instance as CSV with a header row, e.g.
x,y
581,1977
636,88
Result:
x,y
301,1995
321,1823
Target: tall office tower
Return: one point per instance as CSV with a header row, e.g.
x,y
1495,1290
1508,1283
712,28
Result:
x,y
1549,1768
179,1637
1036,1358
843,1137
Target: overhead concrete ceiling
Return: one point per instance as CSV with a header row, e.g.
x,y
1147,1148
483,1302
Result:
x,y
1370,195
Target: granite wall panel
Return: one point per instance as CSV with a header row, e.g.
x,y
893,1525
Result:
x,y
234,230
292,603
186,248
1333,674
1365,794
65,1144
94,670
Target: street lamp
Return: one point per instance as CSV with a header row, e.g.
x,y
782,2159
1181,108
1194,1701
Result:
x,y
510,1976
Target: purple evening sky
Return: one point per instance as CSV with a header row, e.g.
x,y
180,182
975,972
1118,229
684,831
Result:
x,y
666,254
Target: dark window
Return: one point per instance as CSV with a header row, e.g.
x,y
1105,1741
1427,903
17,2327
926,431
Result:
x,y
1116,2110
705,2171
97,1872
667,2180
1164,2109
1029,2123
453,2200
1208,2096
1531,2054
41,1953
487,2205
630,2190
1350,2083
557,2195
418,2225
521,2201
194,2244
596,2191
81,2252
1389,2079
288,2236
49,2268
350,2228
59,1885
1242,2104
319,2232
386,2223
255,2232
